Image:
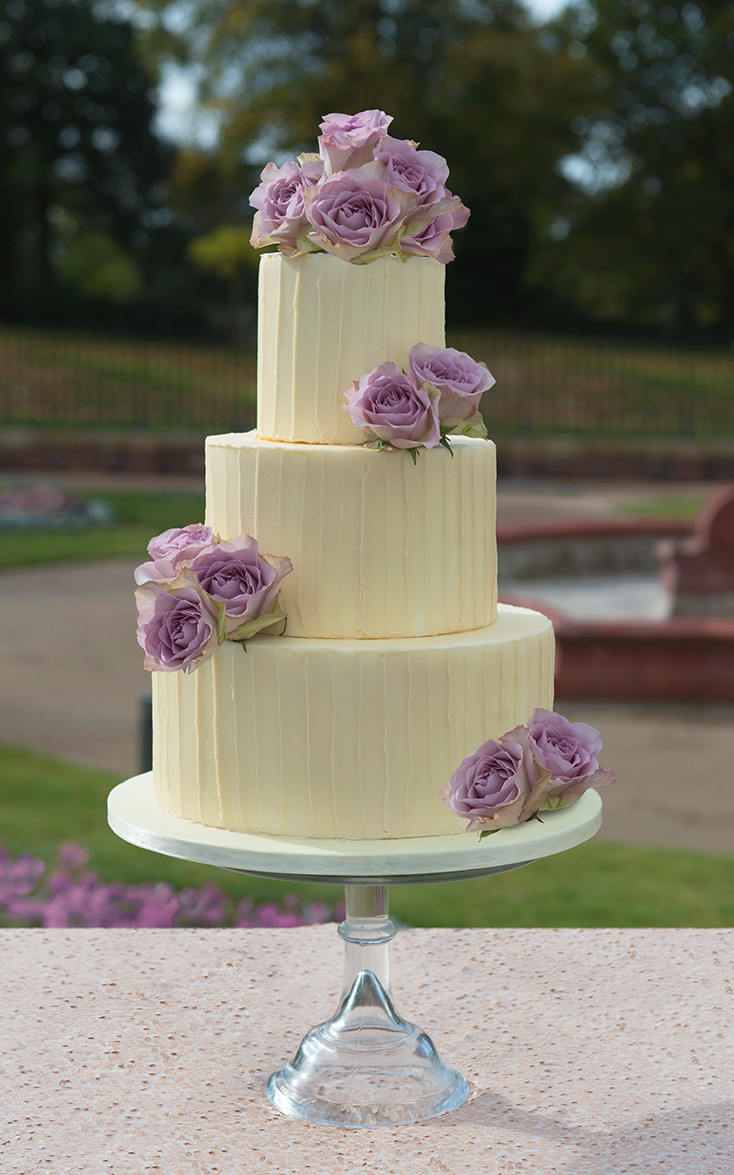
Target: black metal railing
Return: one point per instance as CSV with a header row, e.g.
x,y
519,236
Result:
x,y
548,384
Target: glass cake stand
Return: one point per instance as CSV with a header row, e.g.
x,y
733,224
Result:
x,y
366,1066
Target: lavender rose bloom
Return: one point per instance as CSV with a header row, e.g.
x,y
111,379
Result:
x,y
499,785
569,750
180,545
352,213
245,582
348,140
422,172
158,571
388,403
179,628
434,238
280,216
459,378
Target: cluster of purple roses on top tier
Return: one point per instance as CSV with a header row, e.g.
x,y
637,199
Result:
x,y
437,396
363,196
535,768
199,591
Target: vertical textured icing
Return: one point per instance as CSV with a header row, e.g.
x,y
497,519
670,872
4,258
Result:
x,y
323,323
380,547
397,661
341,738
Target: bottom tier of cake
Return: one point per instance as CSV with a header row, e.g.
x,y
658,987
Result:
x,y
341,738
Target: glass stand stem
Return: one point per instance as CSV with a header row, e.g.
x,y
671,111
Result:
x,y
366,1067
367,932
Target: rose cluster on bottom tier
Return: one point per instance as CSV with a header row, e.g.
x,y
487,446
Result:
x,y
535,768
198,591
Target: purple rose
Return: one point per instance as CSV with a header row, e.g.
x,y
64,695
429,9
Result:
x,y
422,172
352,213
180,545
348,140
433,239
388,403
177,628
569,750
280,215
459,378
245,582
499,785
159,571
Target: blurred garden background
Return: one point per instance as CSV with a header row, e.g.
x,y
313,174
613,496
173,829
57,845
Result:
x,y
592,144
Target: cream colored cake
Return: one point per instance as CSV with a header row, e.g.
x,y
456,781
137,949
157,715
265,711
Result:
x,y
397,661
349,319
380,547
343,738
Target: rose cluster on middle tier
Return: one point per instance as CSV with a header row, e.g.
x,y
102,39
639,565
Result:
x,y
198,591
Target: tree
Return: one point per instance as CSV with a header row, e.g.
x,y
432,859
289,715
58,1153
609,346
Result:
x,y
652,227
77,152
468,79
227,252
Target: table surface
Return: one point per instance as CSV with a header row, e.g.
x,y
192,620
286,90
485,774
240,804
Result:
x,y
588,1052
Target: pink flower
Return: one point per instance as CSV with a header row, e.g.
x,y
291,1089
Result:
x,y
499,785
459,378
159,571
178,626
280,216
421,172
389,405
569,751
433,239
245,582
352,213
180,545
348,140
64,897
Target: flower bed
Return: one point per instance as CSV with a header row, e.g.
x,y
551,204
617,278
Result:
x,y
68,895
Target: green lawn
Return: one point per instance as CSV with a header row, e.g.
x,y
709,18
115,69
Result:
x,y
682,506
46,802
138,517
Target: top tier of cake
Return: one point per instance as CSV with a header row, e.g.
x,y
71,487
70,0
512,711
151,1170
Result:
x,y
324,323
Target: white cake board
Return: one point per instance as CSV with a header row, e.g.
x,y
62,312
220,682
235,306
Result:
x,y
135,816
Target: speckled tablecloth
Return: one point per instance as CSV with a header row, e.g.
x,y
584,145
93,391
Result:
x,y
591,1052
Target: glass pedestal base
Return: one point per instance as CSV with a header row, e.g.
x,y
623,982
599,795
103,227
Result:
x,y
366,1067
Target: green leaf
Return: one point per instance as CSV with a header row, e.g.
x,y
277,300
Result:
x,y
251,627
221,608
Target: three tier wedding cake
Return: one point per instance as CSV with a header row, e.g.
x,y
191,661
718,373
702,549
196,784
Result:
x,y
332,687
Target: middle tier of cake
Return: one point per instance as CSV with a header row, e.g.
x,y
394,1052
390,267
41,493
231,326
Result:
x,y
380,547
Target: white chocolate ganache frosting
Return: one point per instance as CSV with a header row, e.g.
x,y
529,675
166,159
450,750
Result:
x,y
396,661
323,323
380,547
338,738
